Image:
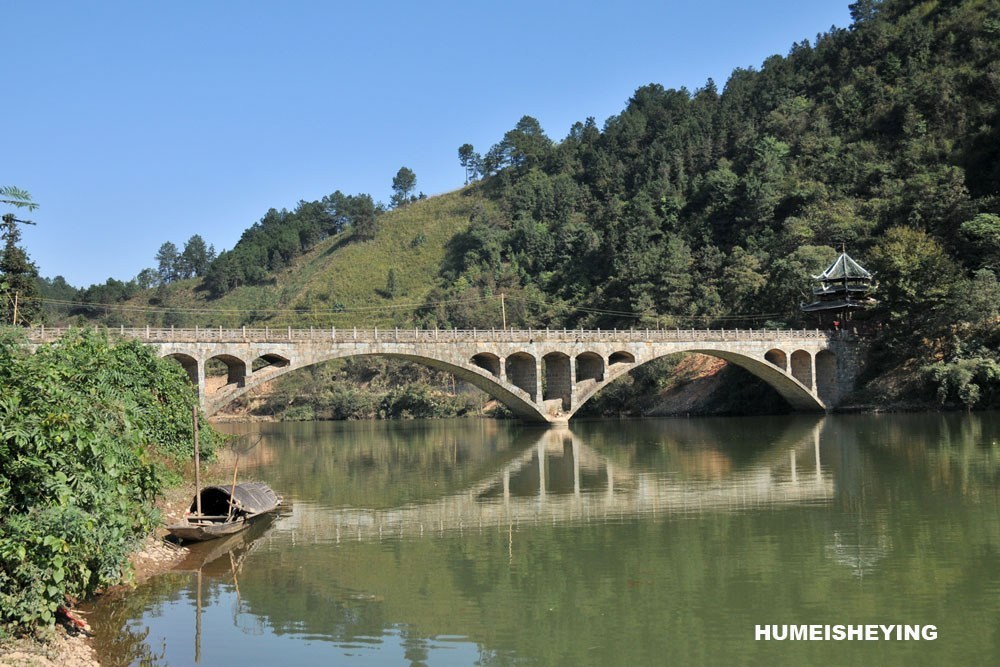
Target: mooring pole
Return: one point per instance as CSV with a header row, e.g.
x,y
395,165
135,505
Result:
x,y
197,462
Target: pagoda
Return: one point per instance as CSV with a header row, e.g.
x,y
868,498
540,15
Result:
x,y
843,287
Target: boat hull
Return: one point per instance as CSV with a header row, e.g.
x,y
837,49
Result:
x,y
195,532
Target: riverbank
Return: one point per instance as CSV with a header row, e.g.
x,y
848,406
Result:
x,y
66,646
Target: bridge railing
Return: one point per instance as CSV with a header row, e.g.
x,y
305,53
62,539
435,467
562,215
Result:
x,y
406,335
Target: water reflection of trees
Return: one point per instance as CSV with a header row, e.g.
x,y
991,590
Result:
x,y
890,469
948,452
116,639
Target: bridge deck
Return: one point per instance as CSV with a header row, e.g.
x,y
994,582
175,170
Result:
x,y
333,334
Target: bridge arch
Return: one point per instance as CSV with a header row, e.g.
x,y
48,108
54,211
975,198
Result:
x,y
188,363
790,388
518,388
514,397
778,358
236,368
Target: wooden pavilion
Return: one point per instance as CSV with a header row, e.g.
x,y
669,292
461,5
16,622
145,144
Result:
x,y
843,288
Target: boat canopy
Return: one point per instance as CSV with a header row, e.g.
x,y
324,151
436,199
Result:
x,y
248,498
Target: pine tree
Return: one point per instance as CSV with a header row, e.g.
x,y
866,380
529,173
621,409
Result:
x,y
403,184
390,284
19,296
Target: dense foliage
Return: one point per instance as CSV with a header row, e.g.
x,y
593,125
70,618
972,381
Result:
x,y
173,264
84,428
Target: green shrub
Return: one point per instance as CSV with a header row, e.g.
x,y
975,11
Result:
x,y
343,401
83,426
972,382
299,413
418,401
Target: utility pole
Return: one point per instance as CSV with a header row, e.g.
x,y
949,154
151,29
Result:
x,y
503,312
16,262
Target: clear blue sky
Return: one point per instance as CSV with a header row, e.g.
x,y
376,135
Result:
x,y
134,123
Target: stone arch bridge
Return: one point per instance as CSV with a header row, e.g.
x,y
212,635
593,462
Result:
x,y
541,375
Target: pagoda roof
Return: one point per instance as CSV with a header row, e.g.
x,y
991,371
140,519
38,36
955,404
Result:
x,y
838,305
836,289
844,268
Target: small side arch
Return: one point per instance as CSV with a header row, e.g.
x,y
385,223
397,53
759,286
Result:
x,y
522,372
188,363
558,378
589,366
269,360
778,358
802,367
236,368
621,358
488,362
826,376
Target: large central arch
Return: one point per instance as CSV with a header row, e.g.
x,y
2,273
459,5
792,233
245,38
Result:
x,y
515,398
798,396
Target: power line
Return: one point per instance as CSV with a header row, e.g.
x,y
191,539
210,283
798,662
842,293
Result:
x,y
310,310
619,313
254,311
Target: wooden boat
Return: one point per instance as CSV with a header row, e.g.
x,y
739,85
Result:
x,y
225,510
220,510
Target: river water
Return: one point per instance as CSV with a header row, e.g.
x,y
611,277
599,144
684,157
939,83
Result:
x,y
653,542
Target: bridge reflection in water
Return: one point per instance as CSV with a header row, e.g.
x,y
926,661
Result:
x,y
561,480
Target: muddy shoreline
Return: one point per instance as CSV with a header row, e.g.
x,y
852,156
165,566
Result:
x,y
66,646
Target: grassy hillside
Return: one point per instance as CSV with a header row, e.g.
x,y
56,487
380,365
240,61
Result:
x,y
340,282
411,243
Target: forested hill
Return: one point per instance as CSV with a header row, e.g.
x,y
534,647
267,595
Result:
x,y
709,203
694,207
708,207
